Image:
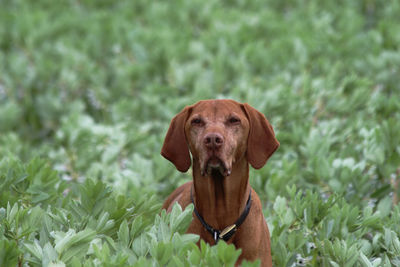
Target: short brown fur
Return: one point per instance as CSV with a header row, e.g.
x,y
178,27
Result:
x,y
223,137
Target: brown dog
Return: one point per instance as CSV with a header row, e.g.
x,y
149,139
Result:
x,y
223,136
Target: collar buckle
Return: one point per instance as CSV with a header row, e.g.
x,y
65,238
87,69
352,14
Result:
x,y
228,232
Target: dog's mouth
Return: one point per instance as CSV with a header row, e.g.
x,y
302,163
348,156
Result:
x,y
215,166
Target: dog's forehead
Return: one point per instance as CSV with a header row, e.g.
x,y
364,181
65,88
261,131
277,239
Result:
x,y
217,108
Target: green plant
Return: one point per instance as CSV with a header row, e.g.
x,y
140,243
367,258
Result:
x,y
88,88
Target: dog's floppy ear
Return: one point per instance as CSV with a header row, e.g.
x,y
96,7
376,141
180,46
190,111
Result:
x,y
261,143
175,147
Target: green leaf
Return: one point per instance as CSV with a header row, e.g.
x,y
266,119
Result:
x,y
176,262
227,253
161,251
11,212
194,257
385,207
56,264
364,260
163,231
140,245
377,262
123,233
49,254
73,244
179,221
9,253
35,249
137,227
289,217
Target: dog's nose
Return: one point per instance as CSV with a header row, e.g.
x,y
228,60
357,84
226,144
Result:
x,y
213,140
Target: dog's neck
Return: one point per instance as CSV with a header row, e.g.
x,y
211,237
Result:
x,y
222,198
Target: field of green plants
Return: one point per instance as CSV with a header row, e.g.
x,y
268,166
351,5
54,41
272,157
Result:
x,y
87,91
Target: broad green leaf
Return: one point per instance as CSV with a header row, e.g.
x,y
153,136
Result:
x,y
123,233
49,255
141,245
364,260
35,249
385,207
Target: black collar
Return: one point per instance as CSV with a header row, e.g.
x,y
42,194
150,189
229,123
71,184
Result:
x,y
228,232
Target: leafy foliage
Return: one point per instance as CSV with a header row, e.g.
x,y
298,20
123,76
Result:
x,y
87,89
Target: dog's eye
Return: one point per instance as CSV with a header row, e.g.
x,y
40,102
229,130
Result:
x,y
234,120
197,121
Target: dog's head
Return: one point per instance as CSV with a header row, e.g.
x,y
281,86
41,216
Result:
x,y
219,133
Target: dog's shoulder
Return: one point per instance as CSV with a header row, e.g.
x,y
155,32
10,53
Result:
x,y
180,195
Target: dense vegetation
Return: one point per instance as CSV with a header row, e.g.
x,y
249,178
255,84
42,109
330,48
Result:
x,y
87,90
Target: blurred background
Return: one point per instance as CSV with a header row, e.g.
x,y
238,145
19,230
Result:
x,y
91,86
